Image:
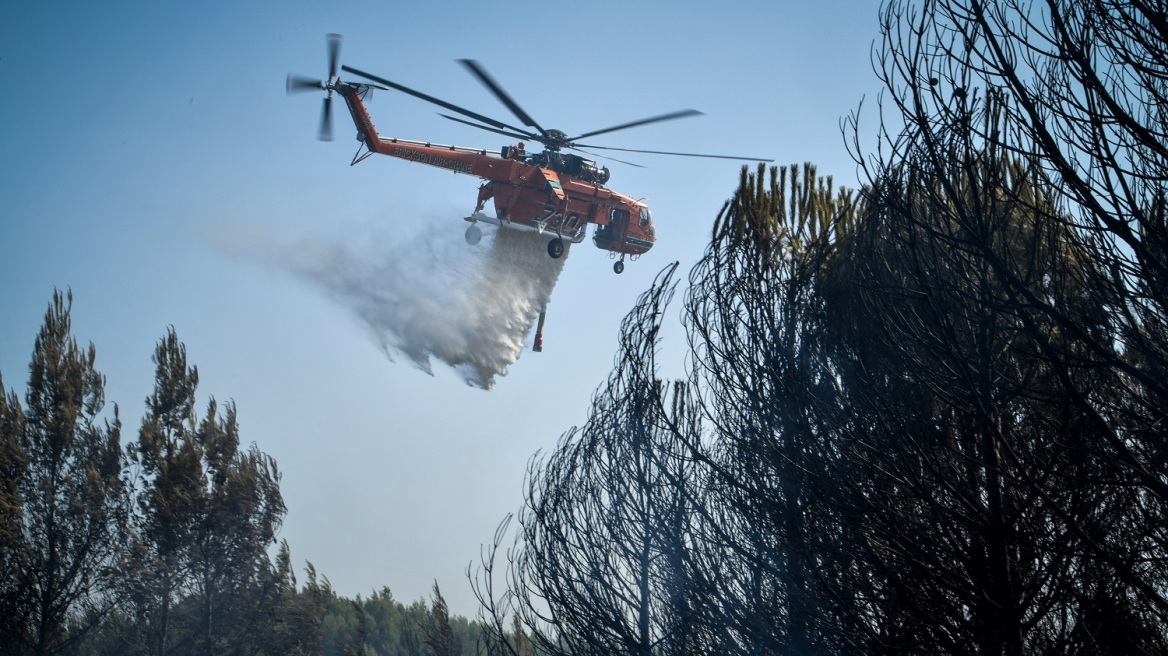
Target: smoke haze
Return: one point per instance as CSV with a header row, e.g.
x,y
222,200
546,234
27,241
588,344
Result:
x,y
432,296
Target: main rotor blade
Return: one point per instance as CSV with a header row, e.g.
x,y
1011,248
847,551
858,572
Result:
x,y
297,83
431,99
645,121
326,120
662,152
334,49
490,83
612,159
513,135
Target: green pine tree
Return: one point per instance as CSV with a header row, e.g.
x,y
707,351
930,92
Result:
x,y
12,465
74,488
209,512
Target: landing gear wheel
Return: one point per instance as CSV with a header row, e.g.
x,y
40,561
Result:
x,y
556,248
618,266
474,234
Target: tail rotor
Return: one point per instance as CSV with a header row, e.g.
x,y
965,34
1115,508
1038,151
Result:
x,y
299,83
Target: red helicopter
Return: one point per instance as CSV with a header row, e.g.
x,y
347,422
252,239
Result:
x,y
547,192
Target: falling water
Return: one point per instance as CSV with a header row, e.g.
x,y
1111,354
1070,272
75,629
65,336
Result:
x,y
433,296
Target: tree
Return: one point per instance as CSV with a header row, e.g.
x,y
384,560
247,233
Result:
x,y
171,500
880,412
352,643
599,565
1076,92
756,322
438,635
518,638
190,572
13,584
969,437
933,419
888,459
299,627
73,487
209,513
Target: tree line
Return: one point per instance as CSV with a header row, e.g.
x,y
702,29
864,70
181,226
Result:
x,y
169,544
924,416
927,416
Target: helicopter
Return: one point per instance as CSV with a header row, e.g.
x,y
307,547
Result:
x,y
550,192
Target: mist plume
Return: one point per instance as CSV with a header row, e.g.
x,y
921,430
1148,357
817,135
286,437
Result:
x,y
431,295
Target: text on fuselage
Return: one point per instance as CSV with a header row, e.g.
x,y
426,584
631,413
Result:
x,y
433,160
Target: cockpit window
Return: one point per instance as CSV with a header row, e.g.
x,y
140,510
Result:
x,y
645,218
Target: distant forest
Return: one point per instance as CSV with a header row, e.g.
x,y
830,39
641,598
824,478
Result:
x,y
926,416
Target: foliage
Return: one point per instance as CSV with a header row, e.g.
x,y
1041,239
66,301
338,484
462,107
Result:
x,y
178,555
932,421
210,514
1073,90
379,625
174,560
13,587
66,506
601,565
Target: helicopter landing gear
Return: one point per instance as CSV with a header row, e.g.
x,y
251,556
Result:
x,y
474,234
555,248
618,266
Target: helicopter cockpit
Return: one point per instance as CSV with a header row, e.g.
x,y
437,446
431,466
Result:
x,y
627,232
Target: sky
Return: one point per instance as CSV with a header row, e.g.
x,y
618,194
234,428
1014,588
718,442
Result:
x,y
153,164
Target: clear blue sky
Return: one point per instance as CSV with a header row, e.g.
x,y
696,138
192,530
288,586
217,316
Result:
x,y
138,138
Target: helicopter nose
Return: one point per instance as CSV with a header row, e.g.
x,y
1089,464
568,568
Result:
x,y
647,225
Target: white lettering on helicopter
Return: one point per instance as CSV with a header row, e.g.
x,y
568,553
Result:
x,y
433,160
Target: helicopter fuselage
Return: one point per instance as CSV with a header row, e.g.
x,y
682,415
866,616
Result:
x,y
544,192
